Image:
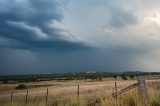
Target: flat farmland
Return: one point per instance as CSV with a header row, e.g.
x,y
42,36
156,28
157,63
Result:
x,y
64,93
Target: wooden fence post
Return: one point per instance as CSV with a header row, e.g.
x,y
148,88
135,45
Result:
x,y
142,91
47,95
78,92
11,96
115,87
26,97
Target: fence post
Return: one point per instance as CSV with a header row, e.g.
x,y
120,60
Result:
x,y
26,97
142,90
78,92
11,96
116,86
47,95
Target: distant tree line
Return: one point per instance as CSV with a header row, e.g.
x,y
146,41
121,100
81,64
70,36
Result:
x,y
72,76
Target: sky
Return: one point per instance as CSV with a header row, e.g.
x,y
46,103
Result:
x,y
47,36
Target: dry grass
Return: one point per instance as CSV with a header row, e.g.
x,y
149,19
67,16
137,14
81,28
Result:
x,y
91,94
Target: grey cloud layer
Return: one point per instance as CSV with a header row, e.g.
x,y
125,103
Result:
x,y
26,21
45,36
121,18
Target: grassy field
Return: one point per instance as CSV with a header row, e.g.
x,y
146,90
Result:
x,y
92,93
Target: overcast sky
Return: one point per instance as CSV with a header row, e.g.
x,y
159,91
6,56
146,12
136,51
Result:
x,y
46,36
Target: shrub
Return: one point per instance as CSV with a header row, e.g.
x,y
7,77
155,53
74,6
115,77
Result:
x,y
21,86
5,81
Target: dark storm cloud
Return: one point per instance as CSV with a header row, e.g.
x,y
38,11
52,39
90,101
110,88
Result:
x,y
29,62
26,22
46,36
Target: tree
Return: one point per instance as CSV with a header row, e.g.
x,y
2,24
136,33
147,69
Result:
x,y
115,76
124,77
131,76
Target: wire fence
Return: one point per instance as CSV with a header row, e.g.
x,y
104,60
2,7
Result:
x,y
141,87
